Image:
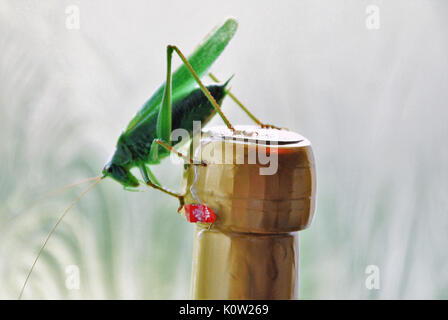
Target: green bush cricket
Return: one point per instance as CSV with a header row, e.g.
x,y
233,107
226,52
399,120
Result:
x,y
182,99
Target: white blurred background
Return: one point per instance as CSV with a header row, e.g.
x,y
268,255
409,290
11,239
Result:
x,y
370,95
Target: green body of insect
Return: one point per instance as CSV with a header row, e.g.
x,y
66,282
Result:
x,y
168,109
134,146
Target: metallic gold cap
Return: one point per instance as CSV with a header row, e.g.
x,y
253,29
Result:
x,y
261,185
234,186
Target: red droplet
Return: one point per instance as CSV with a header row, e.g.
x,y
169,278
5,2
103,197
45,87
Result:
x,y
199,213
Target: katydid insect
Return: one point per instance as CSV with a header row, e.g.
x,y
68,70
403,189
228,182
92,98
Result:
x,y
182,99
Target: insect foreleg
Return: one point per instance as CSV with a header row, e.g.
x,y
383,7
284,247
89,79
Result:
x,y
147,174
152,177
241,105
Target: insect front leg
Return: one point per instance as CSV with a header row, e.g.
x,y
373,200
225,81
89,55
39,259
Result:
x,y
148,177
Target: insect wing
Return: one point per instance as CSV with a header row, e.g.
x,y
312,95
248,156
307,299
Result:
x,y
201,60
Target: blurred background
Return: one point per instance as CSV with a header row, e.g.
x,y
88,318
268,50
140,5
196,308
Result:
x,y
365,81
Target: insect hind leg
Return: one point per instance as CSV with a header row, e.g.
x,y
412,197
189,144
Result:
x,y
212,100
241,105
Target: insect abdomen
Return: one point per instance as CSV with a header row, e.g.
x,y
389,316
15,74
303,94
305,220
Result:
x,y
194,107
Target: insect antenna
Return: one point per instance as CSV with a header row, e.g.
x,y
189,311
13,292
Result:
x,y
90,187
53,193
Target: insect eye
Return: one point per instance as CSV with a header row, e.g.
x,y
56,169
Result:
x,y
109,169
